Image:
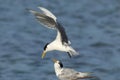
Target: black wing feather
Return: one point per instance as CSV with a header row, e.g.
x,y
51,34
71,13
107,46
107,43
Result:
x,y
44,19
64,37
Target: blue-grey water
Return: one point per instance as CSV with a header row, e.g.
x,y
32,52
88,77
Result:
x,y
92,26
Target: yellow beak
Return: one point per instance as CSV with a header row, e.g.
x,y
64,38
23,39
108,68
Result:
x,y
43,54
54,60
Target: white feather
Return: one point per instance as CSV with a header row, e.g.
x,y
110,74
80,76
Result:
x,y
47,12
32,11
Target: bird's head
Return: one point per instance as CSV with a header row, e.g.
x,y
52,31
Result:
x,y
46,49
57,63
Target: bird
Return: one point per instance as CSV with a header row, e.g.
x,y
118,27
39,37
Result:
x,y
61,42
67,73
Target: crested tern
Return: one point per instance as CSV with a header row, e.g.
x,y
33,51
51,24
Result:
x,y
61,42
67,73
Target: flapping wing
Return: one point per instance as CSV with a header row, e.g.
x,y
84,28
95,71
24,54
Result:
x,y
48,13
62,33
45,20
50,21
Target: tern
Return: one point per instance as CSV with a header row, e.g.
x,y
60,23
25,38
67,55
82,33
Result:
x,y
67,73
61,42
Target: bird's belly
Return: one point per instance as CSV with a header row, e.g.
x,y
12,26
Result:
x,y
60,47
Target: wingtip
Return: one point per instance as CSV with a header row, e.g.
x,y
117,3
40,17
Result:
x,y
40,7
84,75
32,11
47,12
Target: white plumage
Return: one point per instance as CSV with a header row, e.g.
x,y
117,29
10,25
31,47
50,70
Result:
x,y
48,13
61,41
67,73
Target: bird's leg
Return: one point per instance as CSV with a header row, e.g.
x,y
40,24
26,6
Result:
x,y
69,54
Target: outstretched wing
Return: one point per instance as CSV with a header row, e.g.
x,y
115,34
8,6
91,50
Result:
x,y
45,20
50,21
62,34
47,12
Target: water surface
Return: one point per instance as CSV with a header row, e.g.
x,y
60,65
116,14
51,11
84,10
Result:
x,y
93,27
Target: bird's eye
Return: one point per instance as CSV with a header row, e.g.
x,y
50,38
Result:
x,y
45,46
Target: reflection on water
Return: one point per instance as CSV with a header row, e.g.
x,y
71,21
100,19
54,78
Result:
x,y
92,26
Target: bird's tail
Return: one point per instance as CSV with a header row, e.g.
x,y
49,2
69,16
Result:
x,y
72,52
85,75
